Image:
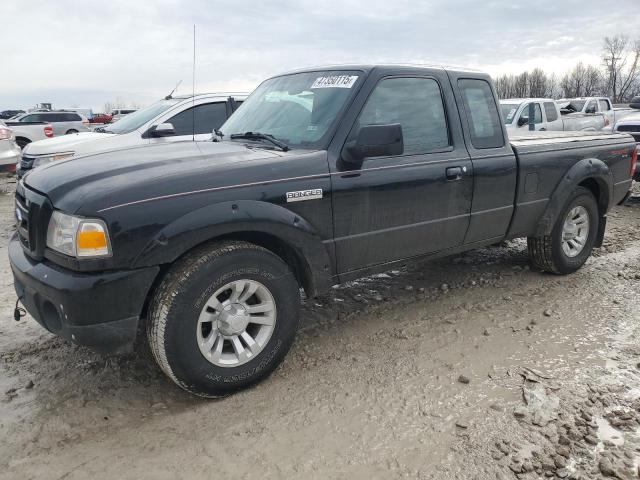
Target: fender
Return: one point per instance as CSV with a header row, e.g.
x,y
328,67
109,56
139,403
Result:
x,y
248,216
587,168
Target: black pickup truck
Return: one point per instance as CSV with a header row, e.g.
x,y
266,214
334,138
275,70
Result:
x,y
321,176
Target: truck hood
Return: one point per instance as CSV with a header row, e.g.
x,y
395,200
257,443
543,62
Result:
x,y
631,119
101,181
67,143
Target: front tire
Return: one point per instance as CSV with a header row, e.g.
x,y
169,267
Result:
x,y
572,238
69,132
223,317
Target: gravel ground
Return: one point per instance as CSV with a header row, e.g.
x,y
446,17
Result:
x,y
470,367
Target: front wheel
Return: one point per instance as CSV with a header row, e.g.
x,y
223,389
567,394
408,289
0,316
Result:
x,y
572,238
223,318
69,132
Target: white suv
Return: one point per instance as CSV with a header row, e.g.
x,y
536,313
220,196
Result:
x,y
168,120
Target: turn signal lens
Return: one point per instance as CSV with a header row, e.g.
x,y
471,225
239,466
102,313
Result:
x,y
92,240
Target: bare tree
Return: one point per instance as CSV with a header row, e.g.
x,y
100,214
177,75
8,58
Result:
x,y
538,83
621,60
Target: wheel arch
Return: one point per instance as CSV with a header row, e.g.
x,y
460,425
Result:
x,y
273,227
591,173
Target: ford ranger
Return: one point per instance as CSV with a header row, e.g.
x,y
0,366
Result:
x,y
320,177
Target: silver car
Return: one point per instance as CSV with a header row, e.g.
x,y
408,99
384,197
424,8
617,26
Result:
x,y
63,122
9,150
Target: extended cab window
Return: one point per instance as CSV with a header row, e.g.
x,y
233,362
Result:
x,y
414,103
604,105
551,111
537,113
209,117
482,114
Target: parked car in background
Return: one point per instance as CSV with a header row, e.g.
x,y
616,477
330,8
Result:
x,y
7,114
28,132
85,112
547,117
63,122
9,149
591,105
120,113
167,121
100,118
631,124
321,177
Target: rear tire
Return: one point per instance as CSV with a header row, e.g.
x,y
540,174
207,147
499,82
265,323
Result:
x,y
571,241
211,343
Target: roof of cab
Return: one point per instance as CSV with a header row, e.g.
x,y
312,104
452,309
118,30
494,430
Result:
x,y
369,67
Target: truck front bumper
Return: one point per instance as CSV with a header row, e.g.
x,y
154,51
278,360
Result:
x,y
98,310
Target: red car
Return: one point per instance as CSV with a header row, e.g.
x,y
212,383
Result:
x,y
100,118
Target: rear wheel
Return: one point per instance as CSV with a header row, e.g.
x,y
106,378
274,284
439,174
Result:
x,y
572,238
223,318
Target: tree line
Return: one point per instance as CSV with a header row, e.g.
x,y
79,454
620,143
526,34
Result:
x,y
618,76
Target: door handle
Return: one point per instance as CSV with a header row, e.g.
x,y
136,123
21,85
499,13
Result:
x,y
454,173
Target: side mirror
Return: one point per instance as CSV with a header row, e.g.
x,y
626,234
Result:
x,y
163,130
590,110
375,141
522,121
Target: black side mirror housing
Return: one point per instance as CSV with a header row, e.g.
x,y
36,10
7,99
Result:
x,y
522,121
376,141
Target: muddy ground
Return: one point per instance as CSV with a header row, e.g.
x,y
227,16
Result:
x,y
470,367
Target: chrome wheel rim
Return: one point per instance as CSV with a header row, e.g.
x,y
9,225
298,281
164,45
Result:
x,y
236,323
575,231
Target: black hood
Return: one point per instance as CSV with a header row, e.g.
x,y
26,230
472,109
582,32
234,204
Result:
x,y
89,184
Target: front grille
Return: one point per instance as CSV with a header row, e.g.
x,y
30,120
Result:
x,y
33,212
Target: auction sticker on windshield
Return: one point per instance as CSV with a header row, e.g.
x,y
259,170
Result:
x,y
335,81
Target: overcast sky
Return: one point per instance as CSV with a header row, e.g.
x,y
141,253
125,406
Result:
x,y
84,53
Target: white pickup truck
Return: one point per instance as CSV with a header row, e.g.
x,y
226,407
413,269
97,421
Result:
x,y
591,105
546,116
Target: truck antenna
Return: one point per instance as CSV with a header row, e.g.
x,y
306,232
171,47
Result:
x,y
193,85
168,97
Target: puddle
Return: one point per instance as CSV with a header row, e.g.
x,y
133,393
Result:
x,y
607,433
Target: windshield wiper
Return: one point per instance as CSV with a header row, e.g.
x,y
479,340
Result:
x,y
261,136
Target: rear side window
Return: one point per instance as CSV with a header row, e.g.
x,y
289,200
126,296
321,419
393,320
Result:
x,y
551,111
485,127
604,105
414,103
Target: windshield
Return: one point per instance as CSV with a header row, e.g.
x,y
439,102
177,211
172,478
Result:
x,y
508,111
298,110
135,120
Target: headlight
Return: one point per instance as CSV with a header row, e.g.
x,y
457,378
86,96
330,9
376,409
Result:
x,y
78,237
39,161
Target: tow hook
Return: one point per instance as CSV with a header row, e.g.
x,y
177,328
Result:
x,y
18,312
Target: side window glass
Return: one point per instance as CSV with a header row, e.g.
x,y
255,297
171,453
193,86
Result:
x,y
182,122
551,111
210,117
485,127
604,105
414,103
537,113
592,107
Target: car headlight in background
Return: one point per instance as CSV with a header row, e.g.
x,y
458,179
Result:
x,y
78,237
39,161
